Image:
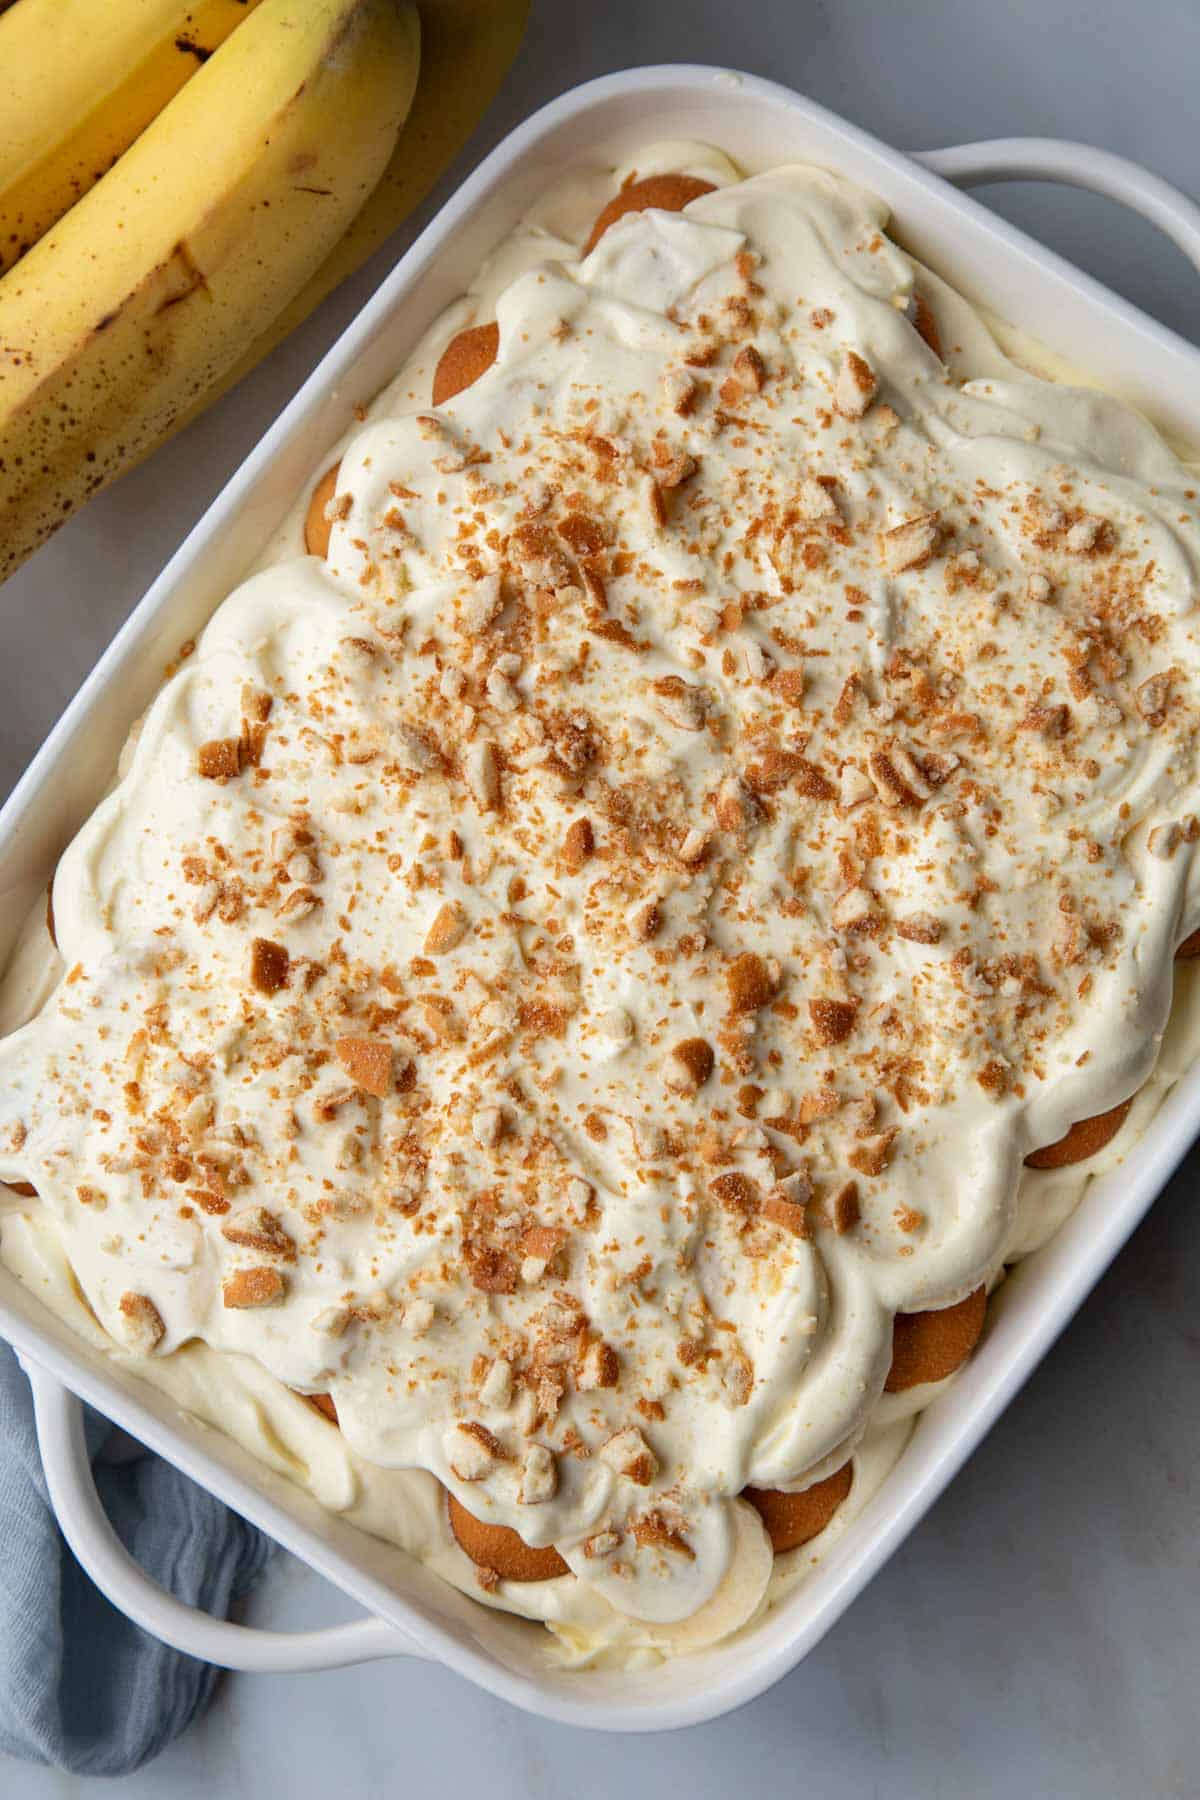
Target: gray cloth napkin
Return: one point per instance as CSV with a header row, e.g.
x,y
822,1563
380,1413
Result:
x,y
81,1687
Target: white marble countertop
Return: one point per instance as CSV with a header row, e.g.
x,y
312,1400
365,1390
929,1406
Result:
x,y
1040,1632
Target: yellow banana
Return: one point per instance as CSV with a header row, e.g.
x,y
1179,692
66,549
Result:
x,y
467,47
79,79
152,284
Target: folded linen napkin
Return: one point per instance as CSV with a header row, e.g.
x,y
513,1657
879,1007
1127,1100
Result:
x,y
81,1687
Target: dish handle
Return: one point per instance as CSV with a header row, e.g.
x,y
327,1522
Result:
x,y
1077,165
58,1415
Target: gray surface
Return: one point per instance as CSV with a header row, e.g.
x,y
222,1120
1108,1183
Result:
x,y
1040,1634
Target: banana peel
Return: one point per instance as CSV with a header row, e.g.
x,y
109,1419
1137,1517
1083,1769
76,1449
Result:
x,y
79,81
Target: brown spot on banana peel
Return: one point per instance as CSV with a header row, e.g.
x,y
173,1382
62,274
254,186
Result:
x,y
187,47
192,277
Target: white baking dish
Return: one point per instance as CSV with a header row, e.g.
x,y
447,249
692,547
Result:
x,y
411,1611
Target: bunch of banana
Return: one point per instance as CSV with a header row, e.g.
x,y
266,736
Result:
x,y
180,185
76,88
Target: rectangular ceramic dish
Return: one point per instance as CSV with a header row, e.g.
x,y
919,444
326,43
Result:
x,y
412,1612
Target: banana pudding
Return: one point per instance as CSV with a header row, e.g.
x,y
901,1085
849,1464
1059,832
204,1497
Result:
x,y
560,997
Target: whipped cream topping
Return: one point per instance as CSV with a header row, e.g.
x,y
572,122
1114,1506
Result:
x,y
560,974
